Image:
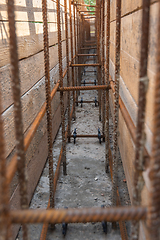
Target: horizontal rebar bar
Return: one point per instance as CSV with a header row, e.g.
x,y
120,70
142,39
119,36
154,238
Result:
x,y
83,215
78,88
85,5
86,65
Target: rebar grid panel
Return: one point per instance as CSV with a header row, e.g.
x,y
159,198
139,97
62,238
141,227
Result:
x,y
4,189
61,85
153,217
71,39
140,131
48,101
45,225
98,52
116,103
17,112
107,93
12,166
67,59
103,71
83,215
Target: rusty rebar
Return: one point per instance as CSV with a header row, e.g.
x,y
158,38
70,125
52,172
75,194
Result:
x,y
4,189
103,70
61,85
116,102
86,65
153,218
83,215
100,87
67,59
71,39
75,48
107,93
48,101
98,52
16,90
140,130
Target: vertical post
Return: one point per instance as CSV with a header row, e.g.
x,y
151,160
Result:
x,y
116,103
140,131
107,92
153,217
4,190
68,75
103,72
71,37
61,85
17,112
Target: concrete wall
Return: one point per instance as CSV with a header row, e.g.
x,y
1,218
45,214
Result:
x,y
131,18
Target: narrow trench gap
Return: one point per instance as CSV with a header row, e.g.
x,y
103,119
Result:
x,y
86,183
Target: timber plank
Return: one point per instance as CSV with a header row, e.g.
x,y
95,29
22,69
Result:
x,y
29,39
128,7
31,71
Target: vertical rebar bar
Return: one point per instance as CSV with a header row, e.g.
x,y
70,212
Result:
x,y
17,112
98,52
67,60
140,130
4,190
153,217
48,101
103,72
116,103
61,85
107,92
71,38
75,46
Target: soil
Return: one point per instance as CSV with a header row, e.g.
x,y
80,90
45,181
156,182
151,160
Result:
x,y
86,183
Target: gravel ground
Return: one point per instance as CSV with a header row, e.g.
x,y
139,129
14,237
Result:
x,y
86,183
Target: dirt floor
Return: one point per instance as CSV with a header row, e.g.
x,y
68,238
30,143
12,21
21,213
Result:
x,y
86,183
